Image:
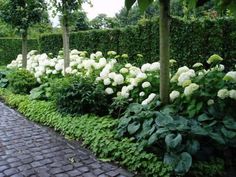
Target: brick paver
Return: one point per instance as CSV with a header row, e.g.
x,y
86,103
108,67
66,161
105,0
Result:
x,y
30,150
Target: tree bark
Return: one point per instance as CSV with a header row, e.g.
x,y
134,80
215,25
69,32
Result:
x,y
164,50
24,50
66,46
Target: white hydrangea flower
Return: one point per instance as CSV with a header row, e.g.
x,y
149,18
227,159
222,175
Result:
x,y
128,65
111,53
102,62
124,70
107,81
141,94
219,67
155,66
109,91
69,70
223,93
232,94
174,94
146,84
190,89
197,65
146,67
230,76
149,99
99,54
119,79
214,58
210,102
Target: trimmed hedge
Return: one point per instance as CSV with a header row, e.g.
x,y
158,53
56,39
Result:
x,y
11,47
191,42
97,133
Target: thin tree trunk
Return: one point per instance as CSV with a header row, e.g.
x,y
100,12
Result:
x,y
24,50
164,50
66,46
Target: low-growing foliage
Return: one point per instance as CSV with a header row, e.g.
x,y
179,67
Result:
x,y
97,133
77,95
21,81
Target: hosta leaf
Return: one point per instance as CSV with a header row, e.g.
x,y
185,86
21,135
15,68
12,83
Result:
x,y
230,124
197,130
193,146
133,127
184,163
152,139
217,137
203,117
162,119
228,133
173,141
170,159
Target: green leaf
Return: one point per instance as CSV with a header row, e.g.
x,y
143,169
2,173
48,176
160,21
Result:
x,y
133,128
152,139
197,130
143,4
228,133
173,141
203,117
129,4
162,119
184,163
217,137
230,124
193,146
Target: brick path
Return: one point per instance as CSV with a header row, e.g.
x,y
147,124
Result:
x,y
29,150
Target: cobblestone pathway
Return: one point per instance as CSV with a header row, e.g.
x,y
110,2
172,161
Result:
x,y
29,150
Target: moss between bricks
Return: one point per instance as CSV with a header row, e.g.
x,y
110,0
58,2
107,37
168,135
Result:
x,y
97,133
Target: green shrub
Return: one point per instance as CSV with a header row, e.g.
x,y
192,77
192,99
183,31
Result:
x,y
11,47
97,133
77,95
191,41
21,81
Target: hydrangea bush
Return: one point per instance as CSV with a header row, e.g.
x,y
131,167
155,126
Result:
x,y
202,101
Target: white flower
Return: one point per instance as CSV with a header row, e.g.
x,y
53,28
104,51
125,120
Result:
x,y
196,65
210,102
124,70
190,89
111,53
149,99
109,91
92,56
141,76
219,67
141,94
112,75
107,81
69,70
214,58
130,87
146,84
155,66
174,94
128,65
223,93
54,72
230,76
119,79
146,67
232,94
98,54
102,62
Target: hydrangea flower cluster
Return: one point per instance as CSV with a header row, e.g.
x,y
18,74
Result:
x,y
126,80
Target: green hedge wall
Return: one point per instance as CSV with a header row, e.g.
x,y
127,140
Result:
x,y
191,41
11,47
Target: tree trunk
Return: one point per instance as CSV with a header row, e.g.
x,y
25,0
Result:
x,y
24,50
164,50
66,47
